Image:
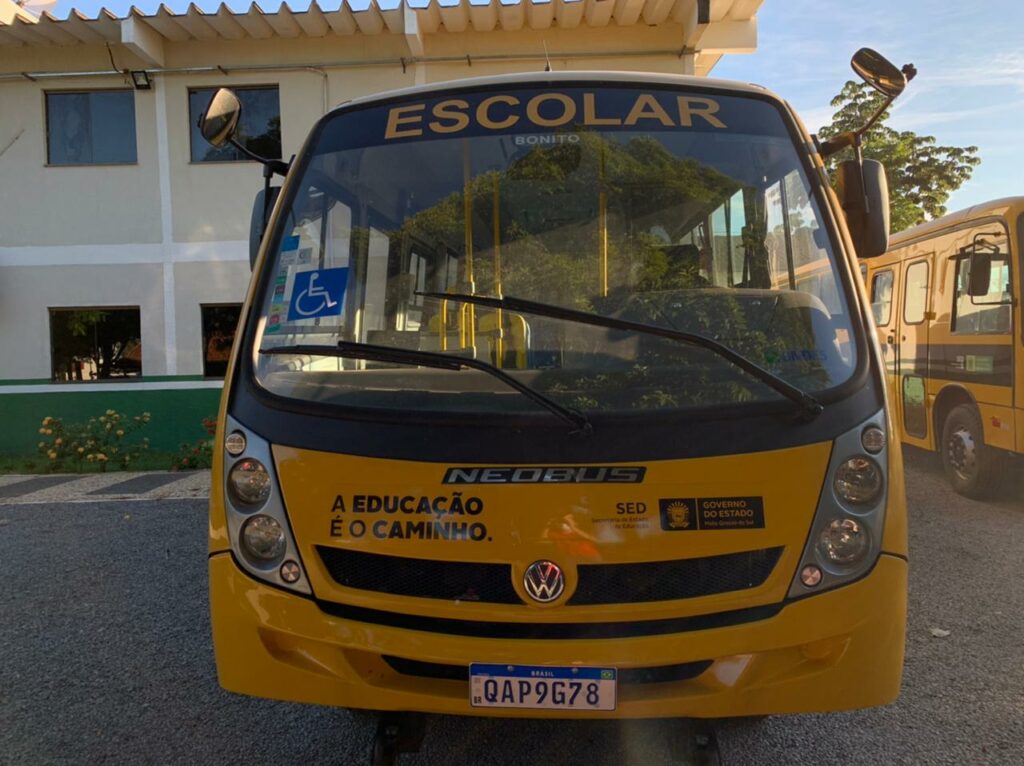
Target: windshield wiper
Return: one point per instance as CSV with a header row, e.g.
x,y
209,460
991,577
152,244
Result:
x,y
392,354
810,406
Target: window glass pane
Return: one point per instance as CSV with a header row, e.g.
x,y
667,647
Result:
x,y
219,323
881,297
707,232
96,127
915,301
259,127
95,344
984,313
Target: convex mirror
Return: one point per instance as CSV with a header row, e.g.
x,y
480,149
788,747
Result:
x,y
878,72
864,195
221,117
980,278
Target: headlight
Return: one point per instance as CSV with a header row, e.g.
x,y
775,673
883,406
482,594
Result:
x,y
858,481
249,483
844,541
263,538
846,535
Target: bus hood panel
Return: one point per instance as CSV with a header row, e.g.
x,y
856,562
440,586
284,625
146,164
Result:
x,y
655,538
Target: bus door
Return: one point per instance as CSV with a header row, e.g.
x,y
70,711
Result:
x,y
882,291
912,352
982,329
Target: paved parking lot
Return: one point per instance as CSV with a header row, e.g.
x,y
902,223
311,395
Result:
x,y
105,657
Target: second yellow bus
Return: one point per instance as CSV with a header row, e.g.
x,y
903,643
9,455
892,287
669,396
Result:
x,y
946,299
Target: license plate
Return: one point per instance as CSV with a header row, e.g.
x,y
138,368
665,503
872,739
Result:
x,y
541,687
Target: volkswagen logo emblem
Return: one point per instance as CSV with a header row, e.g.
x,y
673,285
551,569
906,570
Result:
x,y
544,581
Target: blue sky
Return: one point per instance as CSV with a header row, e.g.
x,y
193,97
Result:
x,y
969,55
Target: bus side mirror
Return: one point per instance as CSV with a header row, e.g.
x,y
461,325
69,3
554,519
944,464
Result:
x,y
220,120
980,278
261,207
866,208
878,72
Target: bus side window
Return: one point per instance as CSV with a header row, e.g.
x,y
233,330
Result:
x,y
881,297
983,314
915,293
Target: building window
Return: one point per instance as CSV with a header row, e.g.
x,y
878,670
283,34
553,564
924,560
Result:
x,y
95,343
259,127
91,128
219,323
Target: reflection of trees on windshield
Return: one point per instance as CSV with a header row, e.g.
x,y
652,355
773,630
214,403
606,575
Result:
x,y
616,224
547,207
544,210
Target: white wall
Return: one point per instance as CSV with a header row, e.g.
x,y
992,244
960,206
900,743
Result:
x,y
28,292
167,234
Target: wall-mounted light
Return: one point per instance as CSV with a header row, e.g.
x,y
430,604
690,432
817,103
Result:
x,y
140,79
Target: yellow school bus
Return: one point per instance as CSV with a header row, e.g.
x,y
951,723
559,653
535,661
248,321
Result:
x,y
529,415
946,299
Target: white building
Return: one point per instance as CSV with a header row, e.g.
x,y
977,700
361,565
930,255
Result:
x,y
109,201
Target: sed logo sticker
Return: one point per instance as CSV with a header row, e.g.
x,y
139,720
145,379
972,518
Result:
x,y
679,514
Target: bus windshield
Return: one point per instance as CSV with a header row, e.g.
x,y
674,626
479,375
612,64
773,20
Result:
x,y
653,205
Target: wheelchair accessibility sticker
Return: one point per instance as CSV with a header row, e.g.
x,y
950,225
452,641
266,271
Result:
x,y
317,293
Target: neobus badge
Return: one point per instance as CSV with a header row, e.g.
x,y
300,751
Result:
x,y
585,474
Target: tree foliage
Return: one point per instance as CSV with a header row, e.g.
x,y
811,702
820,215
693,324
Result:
x,y
544,209
922,174
109,339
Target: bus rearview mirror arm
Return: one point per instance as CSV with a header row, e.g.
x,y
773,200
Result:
x,y
218,125
864,195
853,137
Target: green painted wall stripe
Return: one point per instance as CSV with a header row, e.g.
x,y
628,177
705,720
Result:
x,y
146,379
176,414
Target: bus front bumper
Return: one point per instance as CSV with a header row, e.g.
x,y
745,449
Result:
x,y
839,650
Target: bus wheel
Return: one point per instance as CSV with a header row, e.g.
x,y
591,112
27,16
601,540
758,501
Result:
x,y
972,467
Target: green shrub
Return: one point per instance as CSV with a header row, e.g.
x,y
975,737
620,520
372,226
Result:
x,y
191,457
102,441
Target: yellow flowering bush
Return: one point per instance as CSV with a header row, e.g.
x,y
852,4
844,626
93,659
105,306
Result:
x,y
102,440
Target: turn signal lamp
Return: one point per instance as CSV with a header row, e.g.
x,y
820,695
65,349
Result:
x,y
873,440
810,575
234,443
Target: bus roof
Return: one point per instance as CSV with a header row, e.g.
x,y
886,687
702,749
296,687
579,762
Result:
x,y
597,77
1004,206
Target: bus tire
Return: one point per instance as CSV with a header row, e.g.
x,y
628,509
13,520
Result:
x,y
974,469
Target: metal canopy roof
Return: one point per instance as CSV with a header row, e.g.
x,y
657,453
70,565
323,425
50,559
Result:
x,y
426,17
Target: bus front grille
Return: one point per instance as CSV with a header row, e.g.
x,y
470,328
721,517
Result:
x,y
683,671
670,580
425,578
597,583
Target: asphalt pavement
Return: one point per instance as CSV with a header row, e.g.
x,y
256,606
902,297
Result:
x,y
105,658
